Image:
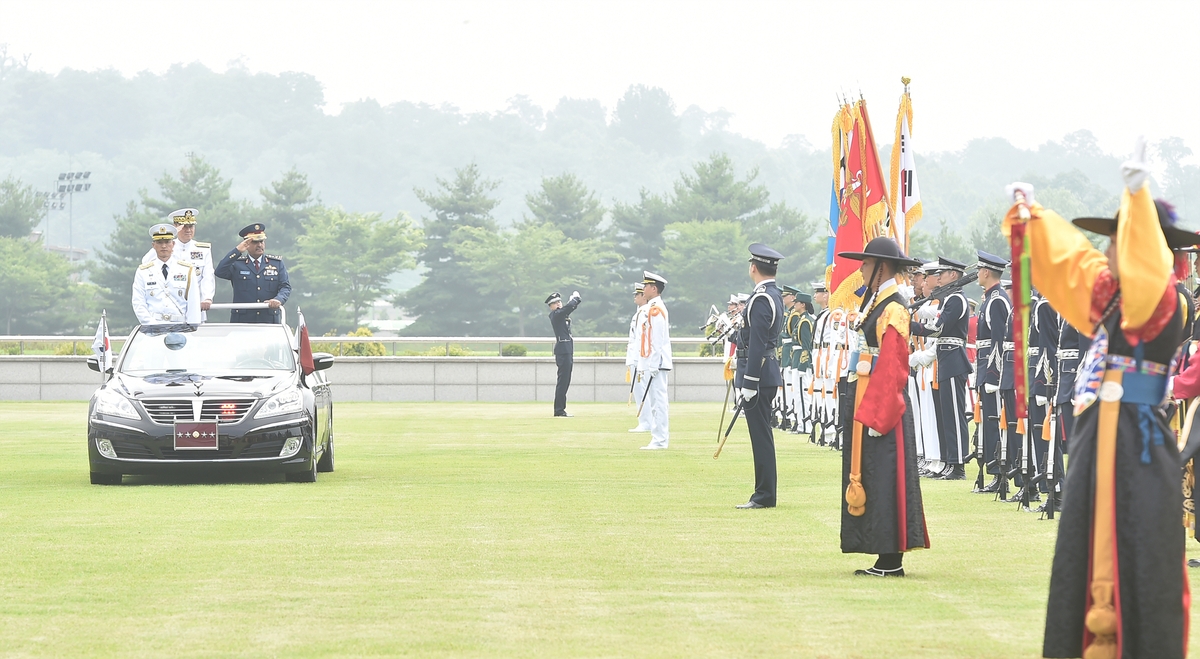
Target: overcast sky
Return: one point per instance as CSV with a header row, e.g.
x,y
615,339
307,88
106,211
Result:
x,y
1025,71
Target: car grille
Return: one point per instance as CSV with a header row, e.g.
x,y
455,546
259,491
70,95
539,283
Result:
x,y
139,451
224,411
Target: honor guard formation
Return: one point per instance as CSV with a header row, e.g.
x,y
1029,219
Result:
x,y
175,283
1067,378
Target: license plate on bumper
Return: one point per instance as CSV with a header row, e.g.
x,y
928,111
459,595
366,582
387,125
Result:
x,y
196,436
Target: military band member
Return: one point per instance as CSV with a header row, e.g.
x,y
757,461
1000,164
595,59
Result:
x,y
820,355
882,513
763,320
989,345
256,277
786,400
199,254
166,290
654,360
637,385
802,365
564,347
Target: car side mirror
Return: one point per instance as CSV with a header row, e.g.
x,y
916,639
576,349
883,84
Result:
x,y
322,361
93,364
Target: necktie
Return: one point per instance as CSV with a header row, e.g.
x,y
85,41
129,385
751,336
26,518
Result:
x,y
256,262
164,272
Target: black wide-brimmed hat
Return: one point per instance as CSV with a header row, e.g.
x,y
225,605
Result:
x,y
883,249
1177,238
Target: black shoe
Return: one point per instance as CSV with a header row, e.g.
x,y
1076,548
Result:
x,y
562,414
876,572
990,487
752,505
956,473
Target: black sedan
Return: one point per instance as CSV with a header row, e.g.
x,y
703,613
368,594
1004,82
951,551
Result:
x,y
214,397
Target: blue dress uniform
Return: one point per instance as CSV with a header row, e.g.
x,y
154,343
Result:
x,y
989,346
763,322
564,349
255,280
953,323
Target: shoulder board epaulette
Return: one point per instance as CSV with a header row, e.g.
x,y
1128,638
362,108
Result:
x,y
205,245
145,265
182,262
272,256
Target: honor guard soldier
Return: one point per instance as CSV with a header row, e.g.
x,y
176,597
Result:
x,y
564,347
802,365
256,277
637,388
199,254
922,392
763,320
882,512
166,291
820,355
989,358
950,330
654,360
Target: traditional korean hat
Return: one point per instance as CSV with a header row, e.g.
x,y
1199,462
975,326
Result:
x,y
883,249
1167,218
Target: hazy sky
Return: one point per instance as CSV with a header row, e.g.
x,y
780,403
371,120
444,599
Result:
x,y
1025,71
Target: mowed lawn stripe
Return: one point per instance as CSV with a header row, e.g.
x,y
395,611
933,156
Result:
x,y
494,530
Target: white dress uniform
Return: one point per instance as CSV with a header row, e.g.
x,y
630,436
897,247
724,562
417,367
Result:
x,y
166,300
632,358
924,359
654,356
840,345
199,255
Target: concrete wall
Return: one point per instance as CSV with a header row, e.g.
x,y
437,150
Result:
x,y
389,379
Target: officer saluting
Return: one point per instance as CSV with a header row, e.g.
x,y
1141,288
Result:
x,y
564,346
166,290
763,321
256,277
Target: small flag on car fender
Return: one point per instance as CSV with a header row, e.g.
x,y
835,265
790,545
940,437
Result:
x,y
306,356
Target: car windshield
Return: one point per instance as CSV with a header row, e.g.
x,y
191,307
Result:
x,y
212,350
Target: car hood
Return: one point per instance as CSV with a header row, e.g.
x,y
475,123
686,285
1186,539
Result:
x,y
176,385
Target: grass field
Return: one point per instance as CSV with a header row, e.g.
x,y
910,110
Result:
x,y
493,530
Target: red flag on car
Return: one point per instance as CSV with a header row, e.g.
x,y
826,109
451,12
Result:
x,y
306,357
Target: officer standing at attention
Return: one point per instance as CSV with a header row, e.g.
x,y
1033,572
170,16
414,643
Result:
x,y
166,291
763,320
256,277
655,360
193,251
636,387
564,346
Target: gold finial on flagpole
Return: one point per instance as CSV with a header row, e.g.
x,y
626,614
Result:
x,y
905,80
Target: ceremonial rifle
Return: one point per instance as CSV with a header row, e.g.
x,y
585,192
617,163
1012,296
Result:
x,y
946,289
1002,485
785,423
1051,477
980,481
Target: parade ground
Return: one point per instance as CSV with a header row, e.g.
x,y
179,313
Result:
x,y
495,530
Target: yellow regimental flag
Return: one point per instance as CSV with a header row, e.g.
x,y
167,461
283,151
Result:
x,y
905,200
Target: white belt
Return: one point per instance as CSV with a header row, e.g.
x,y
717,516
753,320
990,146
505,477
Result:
x,y
1068,354
950,341
1009,345
983,343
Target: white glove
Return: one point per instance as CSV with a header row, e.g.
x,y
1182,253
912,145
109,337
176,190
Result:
x,y
1135,170
1011,189
927,313
931,325
1041,401
873,432
649,373
575,295
991,388
747,394
914,360
927,356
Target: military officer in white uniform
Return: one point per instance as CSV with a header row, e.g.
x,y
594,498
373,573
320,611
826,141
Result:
x,y
199,254
166,291
654,359
633,356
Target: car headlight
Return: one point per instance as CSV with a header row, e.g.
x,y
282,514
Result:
x,y
111,403
287,402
